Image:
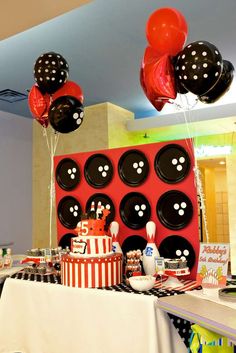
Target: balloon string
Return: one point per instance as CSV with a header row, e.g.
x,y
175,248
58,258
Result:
x,y
56,142
187,120
197,173
52,191
52,146
46,137
199,186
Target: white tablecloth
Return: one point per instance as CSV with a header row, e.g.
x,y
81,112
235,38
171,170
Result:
x,y
48,318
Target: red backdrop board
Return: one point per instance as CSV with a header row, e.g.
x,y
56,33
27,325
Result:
x,y
145,182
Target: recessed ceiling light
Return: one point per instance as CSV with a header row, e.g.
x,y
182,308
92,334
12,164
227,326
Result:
x,y
221,162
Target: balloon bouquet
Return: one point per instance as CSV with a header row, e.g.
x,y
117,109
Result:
x,y
169,68
55,100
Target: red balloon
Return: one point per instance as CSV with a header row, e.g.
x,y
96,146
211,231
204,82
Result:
x,y
39,104
163,78
70,88
158,104
150,55
157,78
167,31
43,120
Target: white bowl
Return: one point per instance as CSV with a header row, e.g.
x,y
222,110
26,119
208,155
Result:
x,y
142,283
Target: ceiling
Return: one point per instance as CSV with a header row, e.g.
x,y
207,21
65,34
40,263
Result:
x,y
18,16
103,43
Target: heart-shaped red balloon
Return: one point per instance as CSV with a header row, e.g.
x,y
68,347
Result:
x,y
157,78
158,104
39,104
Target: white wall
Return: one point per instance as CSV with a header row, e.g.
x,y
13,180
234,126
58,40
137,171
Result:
x,y
16,181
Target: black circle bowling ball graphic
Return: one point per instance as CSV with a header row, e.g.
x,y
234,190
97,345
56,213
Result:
x,y
177,247
133,242
65,240
135,210
174,209
98,170
106,202
67,174
69,212
133,167
172,163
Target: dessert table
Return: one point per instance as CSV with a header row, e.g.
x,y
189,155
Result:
x,y
38,317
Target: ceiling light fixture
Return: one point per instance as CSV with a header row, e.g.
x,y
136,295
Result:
x,y
11,96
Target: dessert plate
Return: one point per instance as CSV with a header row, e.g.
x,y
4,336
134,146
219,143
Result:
x,y
172,163
133,242
98,170
135,210
133,167
66,240
174,209
106,203
69,212
67,174
176,246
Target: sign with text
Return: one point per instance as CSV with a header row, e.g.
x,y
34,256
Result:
x,y
213,264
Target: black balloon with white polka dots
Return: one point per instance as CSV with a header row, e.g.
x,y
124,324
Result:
x,y
222,85
51,71
66,114
198,67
